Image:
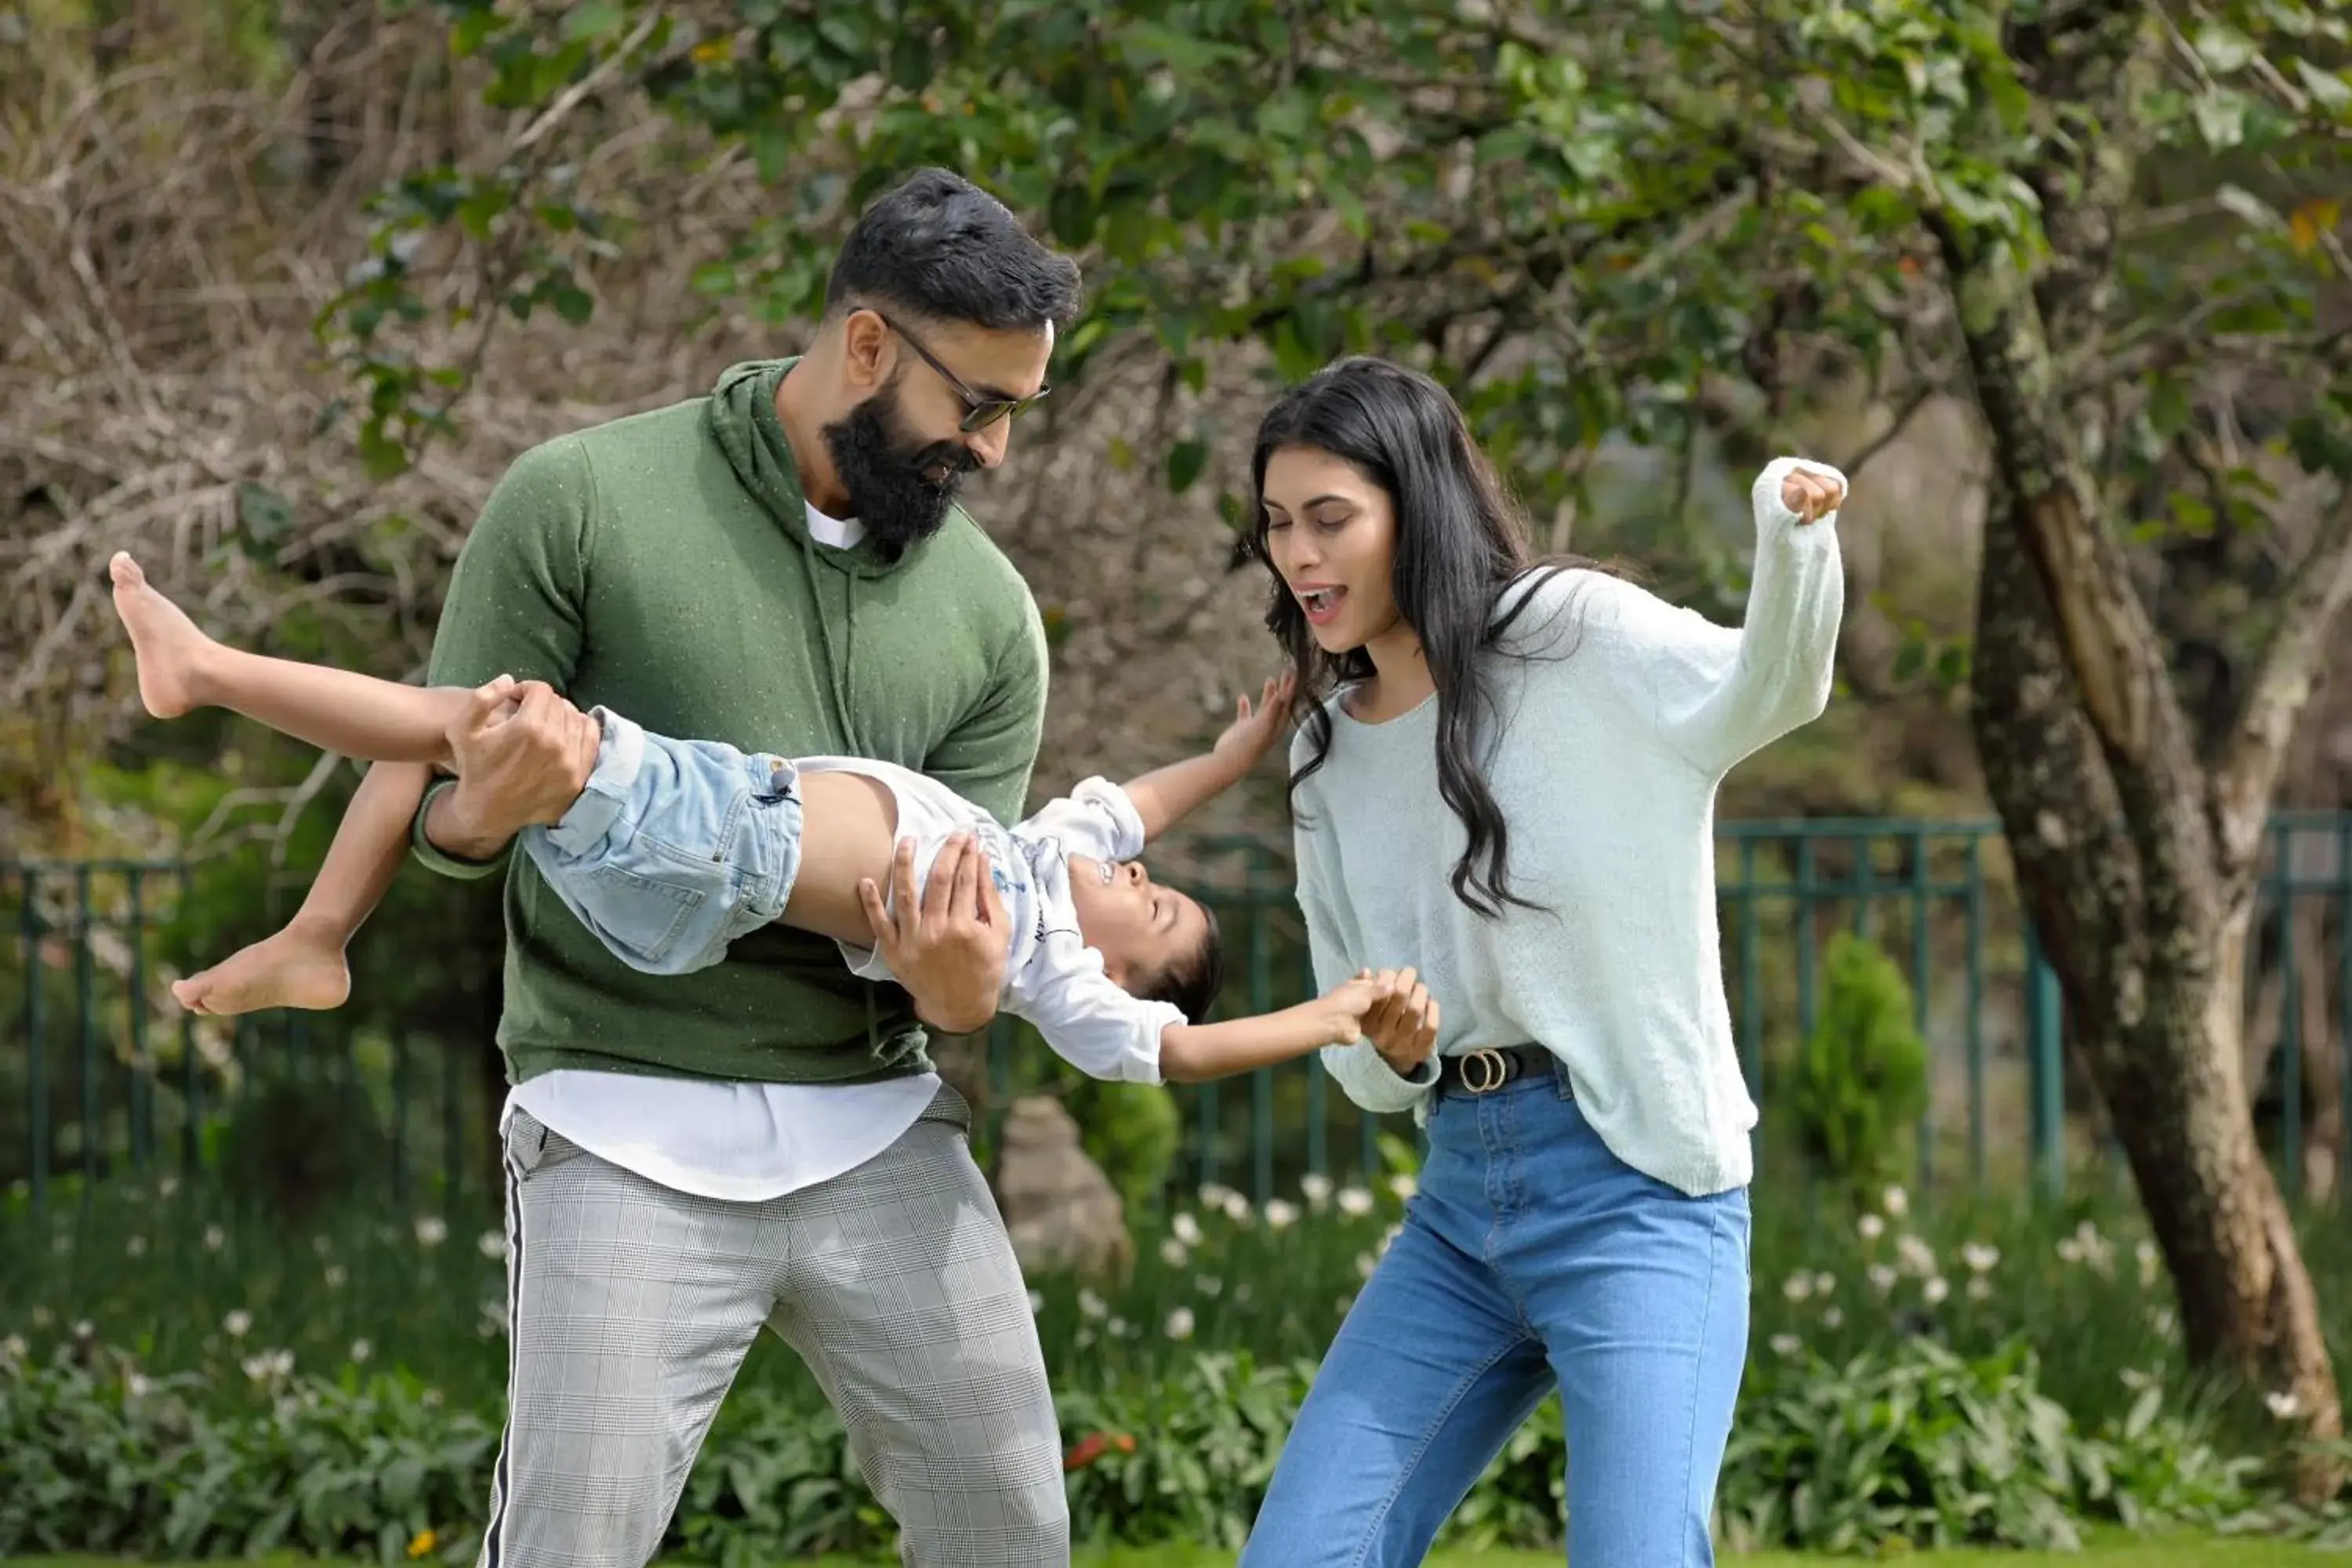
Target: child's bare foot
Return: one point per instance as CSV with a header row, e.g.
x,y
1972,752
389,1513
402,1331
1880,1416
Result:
x,y
291,969
170,648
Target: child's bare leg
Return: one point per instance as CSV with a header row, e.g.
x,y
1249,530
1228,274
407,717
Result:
x,y
303,965
359,715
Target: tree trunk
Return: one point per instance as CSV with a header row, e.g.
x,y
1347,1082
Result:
x,y
2156,1011
2137,861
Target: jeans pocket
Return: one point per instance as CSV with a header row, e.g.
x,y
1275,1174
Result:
x,y
642,916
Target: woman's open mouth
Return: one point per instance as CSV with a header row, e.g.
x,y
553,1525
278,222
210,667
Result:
x,y
1321,604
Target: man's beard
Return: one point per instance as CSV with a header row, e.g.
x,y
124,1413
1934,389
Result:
x,y
884,470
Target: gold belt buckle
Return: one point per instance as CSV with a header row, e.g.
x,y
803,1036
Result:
x,y
1494,1071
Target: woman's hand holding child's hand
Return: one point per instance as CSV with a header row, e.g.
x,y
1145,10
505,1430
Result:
x,y
1402,1024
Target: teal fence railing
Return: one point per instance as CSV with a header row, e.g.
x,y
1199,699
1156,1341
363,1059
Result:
x,y
101,1073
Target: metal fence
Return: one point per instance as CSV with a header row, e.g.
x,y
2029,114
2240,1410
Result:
x,y
101,1073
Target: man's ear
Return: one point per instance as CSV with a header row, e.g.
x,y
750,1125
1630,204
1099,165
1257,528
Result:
x,y
867,349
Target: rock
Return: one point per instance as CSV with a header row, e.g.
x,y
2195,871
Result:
x,y
1061,1211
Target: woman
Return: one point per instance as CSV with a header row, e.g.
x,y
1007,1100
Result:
x,y
1504,777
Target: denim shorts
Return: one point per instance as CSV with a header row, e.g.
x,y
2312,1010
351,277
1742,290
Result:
x,y
675,848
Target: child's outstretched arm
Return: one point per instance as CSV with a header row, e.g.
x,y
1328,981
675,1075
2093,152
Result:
x,y
1195,1053
182,668
1165,796
303,965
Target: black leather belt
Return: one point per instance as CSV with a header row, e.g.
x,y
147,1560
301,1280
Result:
x,y
1489,1068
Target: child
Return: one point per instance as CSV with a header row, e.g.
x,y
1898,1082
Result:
x,y
674,849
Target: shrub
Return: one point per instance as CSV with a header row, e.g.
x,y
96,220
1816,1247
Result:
x,y
1861,1078
1911,1446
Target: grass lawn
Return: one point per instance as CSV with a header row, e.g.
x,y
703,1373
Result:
x,y
2114,1551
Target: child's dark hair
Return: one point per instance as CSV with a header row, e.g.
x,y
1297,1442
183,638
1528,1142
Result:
x,y
1190,984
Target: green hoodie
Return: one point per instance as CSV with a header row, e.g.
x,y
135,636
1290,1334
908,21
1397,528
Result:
x,y
661,565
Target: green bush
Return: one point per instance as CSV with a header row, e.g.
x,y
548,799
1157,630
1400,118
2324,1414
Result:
x,y
1912,1447
1861,1082
1132,1130
1922,1449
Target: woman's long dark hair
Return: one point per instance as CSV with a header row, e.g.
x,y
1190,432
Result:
x,y
1460,542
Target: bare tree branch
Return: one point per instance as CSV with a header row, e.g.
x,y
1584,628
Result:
x,y
1909,410
2256,746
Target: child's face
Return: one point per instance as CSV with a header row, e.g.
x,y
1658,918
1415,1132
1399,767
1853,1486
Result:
x,y
1139,926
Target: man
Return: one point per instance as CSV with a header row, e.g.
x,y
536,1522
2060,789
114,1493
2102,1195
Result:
x,y
779,565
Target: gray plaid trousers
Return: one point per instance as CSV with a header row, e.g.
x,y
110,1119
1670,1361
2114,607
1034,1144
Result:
x,y
632,1307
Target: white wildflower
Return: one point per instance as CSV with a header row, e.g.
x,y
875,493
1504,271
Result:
x,y
136,1385
361,1350
1180,1324
492,1244
1207,1284
1116,1328
1365,1263
1882,1277
1316,1188
2283,1403
1357,1201
1187,1229
1870,1226
167,1187
1786,1344
432,1230
2149,1259
1172,1253
1036,1302
1799,1286
1915,1255
1935,1290
236,1324
1824,1284
1895,1202
335,1275
13,1348
1832,1316
214,1238
1979,1289
1979,1256
1092,1305
1280,1216
1403,1184
136,1246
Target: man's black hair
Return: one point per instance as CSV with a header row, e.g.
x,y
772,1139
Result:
x,y
939,247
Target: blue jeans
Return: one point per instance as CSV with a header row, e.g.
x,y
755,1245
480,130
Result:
x,y
675,848
1530,1256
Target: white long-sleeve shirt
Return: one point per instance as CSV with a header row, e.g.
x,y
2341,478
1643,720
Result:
x,y
1615,732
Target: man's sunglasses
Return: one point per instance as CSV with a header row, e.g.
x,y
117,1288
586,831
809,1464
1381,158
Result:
x,y
979,411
